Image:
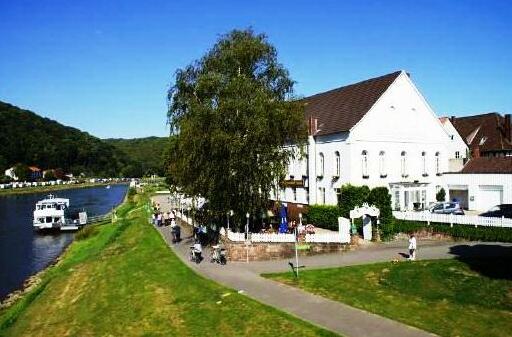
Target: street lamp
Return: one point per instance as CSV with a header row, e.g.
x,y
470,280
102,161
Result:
x,y
230,214
247,237
296,248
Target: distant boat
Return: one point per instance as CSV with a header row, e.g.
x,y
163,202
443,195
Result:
x,y
108,187
53,213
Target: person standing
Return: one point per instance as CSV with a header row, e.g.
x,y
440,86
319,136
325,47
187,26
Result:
x,y
412,247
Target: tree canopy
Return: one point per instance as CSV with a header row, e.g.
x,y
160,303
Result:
x,y
231,114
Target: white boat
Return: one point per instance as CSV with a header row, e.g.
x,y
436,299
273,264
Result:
x,y
108,187
53,213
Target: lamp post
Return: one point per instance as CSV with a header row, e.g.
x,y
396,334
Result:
x,y
247,237
230,214
296,243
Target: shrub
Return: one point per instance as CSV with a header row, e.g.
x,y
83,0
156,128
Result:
x,y
352,196
380,197
441,195
324,216
86,232
481,233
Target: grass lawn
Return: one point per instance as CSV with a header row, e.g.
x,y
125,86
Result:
x,y
446,297
123,280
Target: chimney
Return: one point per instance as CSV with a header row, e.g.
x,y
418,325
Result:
x,y
507,127
452,119
476,152
313,125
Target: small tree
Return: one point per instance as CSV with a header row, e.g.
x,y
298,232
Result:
x,y
380,197
22,172
352,196
441,195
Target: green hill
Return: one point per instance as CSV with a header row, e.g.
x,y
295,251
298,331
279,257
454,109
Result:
x,y
30,139
145,154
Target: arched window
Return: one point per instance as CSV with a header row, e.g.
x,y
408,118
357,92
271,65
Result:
x,y
364,160
321,165
424,163
337,169
382,164
438,164
403,164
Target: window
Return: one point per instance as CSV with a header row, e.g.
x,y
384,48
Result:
x,y
382,164
457,154
321,165
364,164
424,163
403,164
338,163
294,194
338,194
438,167
321,195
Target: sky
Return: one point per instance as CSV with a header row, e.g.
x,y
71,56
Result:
x,y
105,66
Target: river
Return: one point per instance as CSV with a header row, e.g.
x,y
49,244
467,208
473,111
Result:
x,y
24,252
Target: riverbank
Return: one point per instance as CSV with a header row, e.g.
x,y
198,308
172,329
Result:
x,y
124,280
51,188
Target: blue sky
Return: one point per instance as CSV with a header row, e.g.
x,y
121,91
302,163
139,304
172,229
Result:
x,y
105,66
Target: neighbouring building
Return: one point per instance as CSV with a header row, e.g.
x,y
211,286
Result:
x,y
10,173
457,148
483,183
35,173
487,135
378,132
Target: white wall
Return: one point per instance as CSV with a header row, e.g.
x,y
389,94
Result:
x,y
474,183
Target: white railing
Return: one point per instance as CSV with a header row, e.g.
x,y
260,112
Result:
x,y
473,220
272,237
326,238
236,237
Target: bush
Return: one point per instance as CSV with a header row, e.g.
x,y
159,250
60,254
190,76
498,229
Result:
x,y
324,216
352,196
86,232
481,233
441,195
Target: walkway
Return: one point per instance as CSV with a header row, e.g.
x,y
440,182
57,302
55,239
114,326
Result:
x,y
332,315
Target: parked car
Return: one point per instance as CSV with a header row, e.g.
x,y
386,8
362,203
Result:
x,y
447,208
504,210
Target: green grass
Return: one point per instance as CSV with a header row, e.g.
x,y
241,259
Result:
x,y
49,188
124,281
447,297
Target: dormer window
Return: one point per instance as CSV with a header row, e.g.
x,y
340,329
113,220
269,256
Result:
x,y
364,164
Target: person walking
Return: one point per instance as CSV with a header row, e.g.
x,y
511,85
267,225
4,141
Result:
x,y
412,247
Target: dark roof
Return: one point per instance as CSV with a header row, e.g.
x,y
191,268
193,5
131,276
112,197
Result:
x,y
340,109
488,165
490,126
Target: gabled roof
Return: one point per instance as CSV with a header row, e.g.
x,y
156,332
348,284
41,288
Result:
x,y
340,109
486,131
488,165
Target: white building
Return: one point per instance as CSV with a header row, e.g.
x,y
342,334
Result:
x,y
10,173
379,132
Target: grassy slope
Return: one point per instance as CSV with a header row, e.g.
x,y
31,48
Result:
x,y
51,188
124,281
446,297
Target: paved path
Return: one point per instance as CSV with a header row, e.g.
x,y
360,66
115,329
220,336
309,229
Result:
x,y
332,315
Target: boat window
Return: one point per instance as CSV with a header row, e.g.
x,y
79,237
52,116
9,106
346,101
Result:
x,y
48,219
41,220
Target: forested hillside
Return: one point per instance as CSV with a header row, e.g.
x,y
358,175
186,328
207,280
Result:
x,y
33,140
145,154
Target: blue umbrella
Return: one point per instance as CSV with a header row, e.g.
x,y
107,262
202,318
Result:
x,y
283,226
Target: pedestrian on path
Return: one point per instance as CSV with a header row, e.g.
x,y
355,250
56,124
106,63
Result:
x,y
412,247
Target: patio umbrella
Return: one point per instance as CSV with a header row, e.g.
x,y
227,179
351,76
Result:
x,y
283,226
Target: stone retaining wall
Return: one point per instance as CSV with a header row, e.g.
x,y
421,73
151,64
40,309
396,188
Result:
x,y
260,251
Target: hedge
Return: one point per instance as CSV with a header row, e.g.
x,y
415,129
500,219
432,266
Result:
x,y
324,216
466,232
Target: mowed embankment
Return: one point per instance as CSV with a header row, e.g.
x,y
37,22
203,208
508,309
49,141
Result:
x,y
122,280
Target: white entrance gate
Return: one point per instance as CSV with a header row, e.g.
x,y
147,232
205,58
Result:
x,y
365,212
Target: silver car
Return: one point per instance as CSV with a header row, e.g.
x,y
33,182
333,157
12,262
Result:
x,y
447,208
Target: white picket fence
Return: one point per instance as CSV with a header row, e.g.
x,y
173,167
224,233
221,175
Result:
x,y
288,238
472,220
326,238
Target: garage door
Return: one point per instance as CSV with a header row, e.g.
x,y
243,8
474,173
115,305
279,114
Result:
x,y
490,196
